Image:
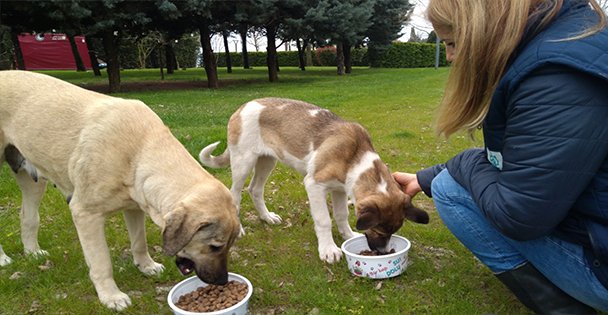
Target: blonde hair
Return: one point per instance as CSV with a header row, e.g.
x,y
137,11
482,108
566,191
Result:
x,y
485,34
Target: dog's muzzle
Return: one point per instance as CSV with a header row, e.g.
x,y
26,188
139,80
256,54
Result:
x,y
185,265
378,242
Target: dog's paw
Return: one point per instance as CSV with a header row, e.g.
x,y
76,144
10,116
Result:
x,y
151,269
272,218
330,253
5,260
241,232
116,301
37,252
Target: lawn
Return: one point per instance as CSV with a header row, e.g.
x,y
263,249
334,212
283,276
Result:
x,y
395,105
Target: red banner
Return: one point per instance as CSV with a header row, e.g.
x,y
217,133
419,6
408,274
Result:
x,y
52,52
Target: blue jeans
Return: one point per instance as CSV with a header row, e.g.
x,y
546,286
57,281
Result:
x,y
561,262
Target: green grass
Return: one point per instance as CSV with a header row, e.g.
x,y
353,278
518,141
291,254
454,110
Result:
x,y
395,105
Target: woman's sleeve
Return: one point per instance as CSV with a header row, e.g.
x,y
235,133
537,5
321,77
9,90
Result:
x,y
425,177
556,139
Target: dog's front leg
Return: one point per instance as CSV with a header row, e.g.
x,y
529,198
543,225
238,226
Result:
x,y
32,192
328,250
135,220
340,206
90,228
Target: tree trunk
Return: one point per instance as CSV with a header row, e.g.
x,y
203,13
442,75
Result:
x,y
348,63
110,46
301,59
308,46
208,58
340,58
227,51
243,32
170,61
271,54
92,56
75,53
17,48
160,61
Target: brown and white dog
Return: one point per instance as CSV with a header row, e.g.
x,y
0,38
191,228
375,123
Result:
x,y
334,156
107,154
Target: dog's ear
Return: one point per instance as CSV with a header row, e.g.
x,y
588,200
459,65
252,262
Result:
x,y
415,214
180,227
367,218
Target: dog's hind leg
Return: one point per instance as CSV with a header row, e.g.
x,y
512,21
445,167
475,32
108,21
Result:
x,y
328,250
90,227
135,220
4,258
340,207
240,167
32,192
263,167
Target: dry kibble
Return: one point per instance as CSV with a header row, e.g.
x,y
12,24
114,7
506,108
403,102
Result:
x,y
212,297
369,252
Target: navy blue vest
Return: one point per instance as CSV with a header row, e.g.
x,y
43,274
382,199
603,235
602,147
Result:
x,y
589,55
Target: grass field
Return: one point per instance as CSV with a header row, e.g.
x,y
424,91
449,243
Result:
x,y
395,105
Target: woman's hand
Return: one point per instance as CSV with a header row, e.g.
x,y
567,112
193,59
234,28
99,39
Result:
x,y
409,183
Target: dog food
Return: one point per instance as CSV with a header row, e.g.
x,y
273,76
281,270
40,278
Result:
x,y
369,252
212,297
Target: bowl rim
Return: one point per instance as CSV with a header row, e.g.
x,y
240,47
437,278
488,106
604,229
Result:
x,y
222,311
387,256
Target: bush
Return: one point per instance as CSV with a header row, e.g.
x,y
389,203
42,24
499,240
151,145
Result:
x,y
411,55
325,56
397,55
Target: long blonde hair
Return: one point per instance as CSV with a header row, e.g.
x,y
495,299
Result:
x,y
485,34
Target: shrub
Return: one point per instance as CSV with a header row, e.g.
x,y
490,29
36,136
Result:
x,y
397,55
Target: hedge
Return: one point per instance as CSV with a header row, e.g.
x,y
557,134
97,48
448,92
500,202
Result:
x,y
398,55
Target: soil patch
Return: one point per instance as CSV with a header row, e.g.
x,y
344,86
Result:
x,y
141,86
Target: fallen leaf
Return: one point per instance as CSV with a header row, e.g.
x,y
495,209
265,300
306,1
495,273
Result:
x,y
16,275
379,285
46,266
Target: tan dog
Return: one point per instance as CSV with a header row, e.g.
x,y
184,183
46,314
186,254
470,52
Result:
x,y
333,155
107,154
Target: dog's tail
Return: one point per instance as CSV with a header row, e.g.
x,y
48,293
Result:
x,y
209,160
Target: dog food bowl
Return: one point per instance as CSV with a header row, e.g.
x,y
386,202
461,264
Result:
x,y
380,266
192,283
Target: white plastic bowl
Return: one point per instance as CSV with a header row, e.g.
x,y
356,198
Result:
x,y
192,283
380,266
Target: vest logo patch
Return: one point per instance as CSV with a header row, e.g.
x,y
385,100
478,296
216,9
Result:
x,y
495,158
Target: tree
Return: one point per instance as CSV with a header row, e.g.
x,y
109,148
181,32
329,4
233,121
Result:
x,y
110,20
343,23
6,49
208,16
24,16
414,38
388,19
271,15
225,35
297,28
432,37
145,46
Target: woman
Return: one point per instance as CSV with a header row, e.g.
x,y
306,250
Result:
x,y
533,204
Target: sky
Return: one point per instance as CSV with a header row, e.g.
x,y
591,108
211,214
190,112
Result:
x,y
421,26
